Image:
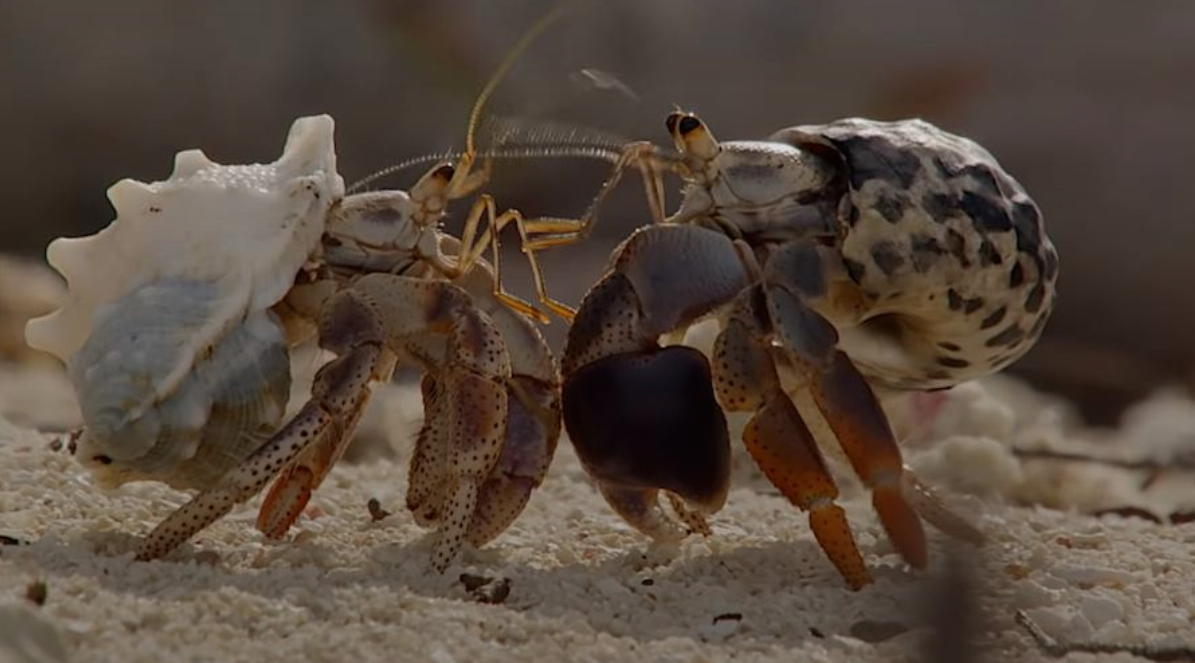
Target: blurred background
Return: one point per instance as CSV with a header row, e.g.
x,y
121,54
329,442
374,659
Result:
x,y
1090,105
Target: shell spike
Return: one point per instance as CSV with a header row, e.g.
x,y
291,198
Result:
x,y
189,162
309,146
128,195
245,230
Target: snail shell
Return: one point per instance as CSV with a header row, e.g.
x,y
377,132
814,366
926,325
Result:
x,y
180,367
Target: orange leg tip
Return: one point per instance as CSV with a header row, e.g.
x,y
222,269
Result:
x,y
902,524
833,534
286,500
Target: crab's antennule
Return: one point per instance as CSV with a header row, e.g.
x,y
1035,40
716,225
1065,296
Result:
x,y
401,165
532,33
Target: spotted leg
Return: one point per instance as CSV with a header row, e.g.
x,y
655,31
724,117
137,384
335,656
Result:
x,y
532,429
464,432
337,394
293,488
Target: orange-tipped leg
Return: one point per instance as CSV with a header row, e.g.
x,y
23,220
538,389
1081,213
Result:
x,y
853,413
293,488
787,453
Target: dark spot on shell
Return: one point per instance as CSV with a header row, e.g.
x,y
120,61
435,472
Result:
x,y
855,269
887,257
957,245
1009,336
994,318
940,206
1027,221
926,251
986,213
954,299
988,254
1016,276
947,169
983,176
953,362
891,206
951,347
871,158
973,305
1034,300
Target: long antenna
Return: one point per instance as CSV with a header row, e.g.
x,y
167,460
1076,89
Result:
x,y
536,29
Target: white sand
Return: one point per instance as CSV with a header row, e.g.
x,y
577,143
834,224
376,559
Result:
x,y
583,587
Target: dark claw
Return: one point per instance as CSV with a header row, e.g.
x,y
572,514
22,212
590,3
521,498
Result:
x,y
650,420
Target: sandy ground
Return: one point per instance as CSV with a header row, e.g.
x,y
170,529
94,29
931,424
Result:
x,y
583,586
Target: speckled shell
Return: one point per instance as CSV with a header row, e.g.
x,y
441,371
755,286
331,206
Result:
x,y
910,175
180,367
939,234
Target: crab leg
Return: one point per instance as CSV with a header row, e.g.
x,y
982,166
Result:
x,y
532,429
777,437
643,156
811,358
293,488
336,395
472,249
463,436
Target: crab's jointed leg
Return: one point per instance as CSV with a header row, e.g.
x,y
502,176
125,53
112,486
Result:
x,y
794,278
776,436
548,232
773,343
465,428
337,394
473,246
293,488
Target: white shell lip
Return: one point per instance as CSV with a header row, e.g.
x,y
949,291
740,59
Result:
x,y
249,228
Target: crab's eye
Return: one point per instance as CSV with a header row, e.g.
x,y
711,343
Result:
x,y
670,123
688,124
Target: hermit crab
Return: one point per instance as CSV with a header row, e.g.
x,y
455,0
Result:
x,y
182,311
839,261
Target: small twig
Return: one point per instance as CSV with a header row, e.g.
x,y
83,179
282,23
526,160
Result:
x,y
1185,462
1056,649
1129,512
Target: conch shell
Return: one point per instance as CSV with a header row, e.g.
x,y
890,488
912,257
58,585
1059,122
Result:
x,y
167,331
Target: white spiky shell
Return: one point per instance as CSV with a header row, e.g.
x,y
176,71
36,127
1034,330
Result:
x,y
249,228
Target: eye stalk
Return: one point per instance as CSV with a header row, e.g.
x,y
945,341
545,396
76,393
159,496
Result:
x,y
430,194
671,122
691,136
